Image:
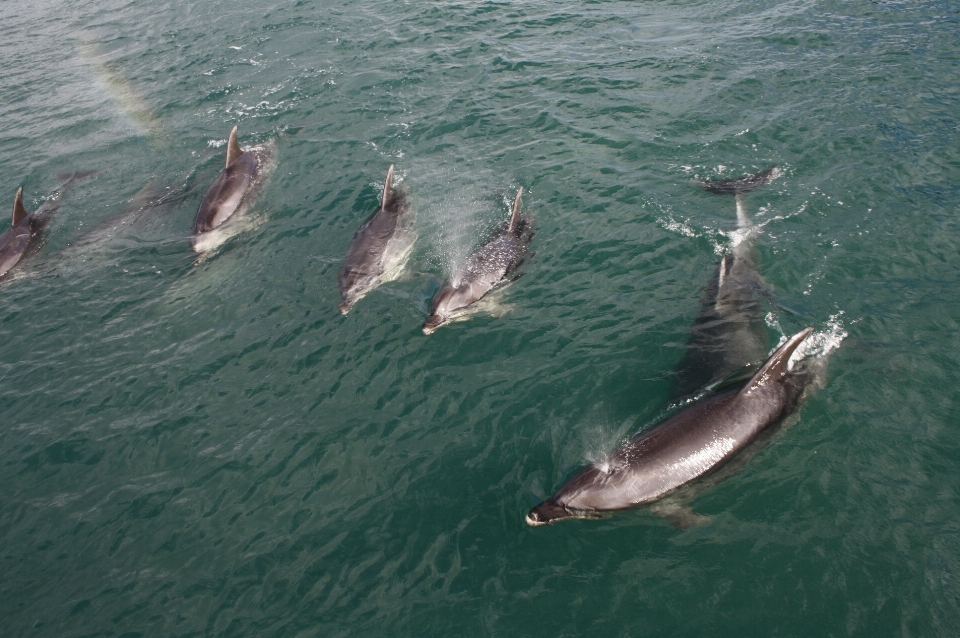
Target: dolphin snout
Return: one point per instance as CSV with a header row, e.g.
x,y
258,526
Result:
x,y
546,513
432,323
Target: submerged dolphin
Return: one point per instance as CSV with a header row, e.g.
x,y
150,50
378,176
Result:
x,y
729,332
489,265
237,185
685,446
380,247
26,228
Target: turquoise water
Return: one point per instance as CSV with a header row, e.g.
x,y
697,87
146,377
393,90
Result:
x,y
211,449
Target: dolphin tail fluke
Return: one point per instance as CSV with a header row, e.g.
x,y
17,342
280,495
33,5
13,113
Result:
x,y
515,213
387,189
738,186
776,366
233,147
19,212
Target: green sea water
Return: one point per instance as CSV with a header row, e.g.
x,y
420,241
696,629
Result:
x,y
208,448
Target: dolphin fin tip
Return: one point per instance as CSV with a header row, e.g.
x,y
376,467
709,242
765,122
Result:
x,y
233,147
515,212
19,212
387,189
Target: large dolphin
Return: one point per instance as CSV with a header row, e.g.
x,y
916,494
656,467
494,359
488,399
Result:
x,y
729,333
380,247
487,267
25,233
683,447
237,185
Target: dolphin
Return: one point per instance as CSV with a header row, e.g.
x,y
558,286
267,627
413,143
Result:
x,y
380,247
237,185
487,267
25,234
729,333
685,446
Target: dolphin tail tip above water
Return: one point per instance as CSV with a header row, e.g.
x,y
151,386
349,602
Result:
x,y
738,186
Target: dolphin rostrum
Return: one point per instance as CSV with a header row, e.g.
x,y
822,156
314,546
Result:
x,y
683,447
25,233
380,247
729,333
237,185
487,267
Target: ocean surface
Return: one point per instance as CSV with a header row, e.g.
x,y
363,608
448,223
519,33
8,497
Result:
x,y
207,447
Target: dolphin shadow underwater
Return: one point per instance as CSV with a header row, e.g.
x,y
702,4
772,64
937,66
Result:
x,y
232,192
24,237
687,445
380,247
729,337
491,265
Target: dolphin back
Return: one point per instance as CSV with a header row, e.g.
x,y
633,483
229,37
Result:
x,y
490,265
379,242
227,193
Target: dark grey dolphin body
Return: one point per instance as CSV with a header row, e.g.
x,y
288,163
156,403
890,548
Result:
x,y
487,267
25,234
690,443
237,185
729,334
380,247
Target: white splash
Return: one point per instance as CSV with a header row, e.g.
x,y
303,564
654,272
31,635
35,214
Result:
x,y
674,226
822,342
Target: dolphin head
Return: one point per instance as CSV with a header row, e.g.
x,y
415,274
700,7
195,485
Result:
x,y
549,512
348,298
353,286
447,304
433,322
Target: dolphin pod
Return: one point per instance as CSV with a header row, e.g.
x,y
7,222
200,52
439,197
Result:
x,y
683,447
487,267
728,335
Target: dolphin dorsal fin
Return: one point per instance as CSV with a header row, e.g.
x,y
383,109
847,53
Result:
x,y
387,189
776,366
515,213
233,148
19,212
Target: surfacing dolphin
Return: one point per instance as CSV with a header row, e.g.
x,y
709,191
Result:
x,y
729,334
25,234
237,185
380,247
685,446
487,267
